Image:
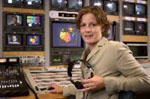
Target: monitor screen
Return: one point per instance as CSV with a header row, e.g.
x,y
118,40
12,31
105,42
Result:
x,y
75,4
14,39
14,20
33,20
65,35
128,26
58,4
111,7
33,40
13,2
140,9
139,50
128,9
141,27
33,2
98,3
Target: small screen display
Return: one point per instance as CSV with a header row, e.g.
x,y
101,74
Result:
x,y
110,7
33,40
141,27
33,20
128,9
33,2
65,35
98,3
58,3
140,9
128,26
14,39
75,4
14,1
14,20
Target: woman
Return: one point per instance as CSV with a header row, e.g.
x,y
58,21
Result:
x,y
115,68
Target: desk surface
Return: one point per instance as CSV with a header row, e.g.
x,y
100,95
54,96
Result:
x,y
41,96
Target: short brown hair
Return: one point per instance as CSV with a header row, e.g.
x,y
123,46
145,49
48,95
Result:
x,y
100,15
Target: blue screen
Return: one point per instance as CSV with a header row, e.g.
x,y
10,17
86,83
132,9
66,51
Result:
x,y
65,35
33,40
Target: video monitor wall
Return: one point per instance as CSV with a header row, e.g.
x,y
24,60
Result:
x,y
21,27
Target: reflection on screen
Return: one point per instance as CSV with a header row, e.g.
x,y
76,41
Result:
x,y
14,1
59,3
33,21
33,40
141,27
14,39
110,7
128,9
75,4
65,35
140,9
98,3
14,20
33,2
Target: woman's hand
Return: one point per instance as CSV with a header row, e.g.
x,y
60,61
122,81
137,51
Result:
x,y
94,83
55,88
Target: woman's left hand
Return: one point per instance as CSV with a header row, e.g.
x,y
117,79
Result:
x,y
94,83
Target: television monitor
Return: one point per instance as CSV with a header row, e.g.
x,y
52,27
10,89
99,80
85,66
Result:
x,y
34,22
38,4
75,4
139,51
111,7
58,4
98,3
13,3
128,9
141,28
13,42
65,34
140,10
13,22
129,27
34,42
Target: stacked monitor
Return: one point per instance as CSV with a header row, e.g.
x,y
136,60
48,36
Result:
x,y
109,6
35,4
27,29
66,5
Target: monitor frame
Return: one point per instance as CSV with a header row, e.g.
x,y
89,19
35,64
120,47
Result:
x,y
141,32
141,15
6,4
40,6
129,32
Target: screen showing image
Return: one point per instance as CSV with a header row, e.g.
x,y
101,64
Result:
x,y
33,2
128,9
140,27
14,39
140,9
33,20
33,40
58,3
128,26
98,3
75,4
65,35
110,6
14,20
14,1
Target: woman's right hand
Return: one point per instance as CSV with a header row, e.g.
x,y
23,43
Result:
x,y
55,88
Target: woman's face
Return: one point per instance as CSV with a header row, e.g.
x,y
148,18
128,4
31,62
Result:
x,y
89,29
